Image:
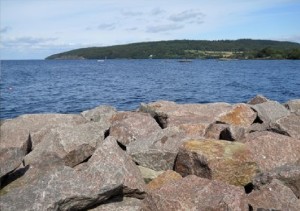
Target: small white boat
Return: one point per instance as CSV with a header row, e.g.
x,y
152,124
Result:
x,y
100,60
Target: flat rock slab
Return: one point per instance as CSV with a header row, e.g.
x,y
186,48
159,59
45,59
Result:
x,y
72,144
195,193
271,150
226,161
171,114
274,196
289,125
128,127
99,114
270,111
110,172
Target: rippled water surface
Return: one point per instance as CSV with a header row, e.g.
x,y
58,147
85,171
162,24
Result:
x,y
76,85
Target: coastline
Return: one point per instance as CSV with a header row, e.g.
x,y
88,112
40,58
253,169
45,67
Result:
x,y
146,158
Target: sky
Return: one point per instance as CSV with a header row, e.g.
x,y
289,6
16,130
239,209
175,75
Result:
x,y
35,29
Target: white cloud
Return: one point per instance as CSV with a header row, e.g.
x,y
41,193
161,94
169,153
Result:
x,y
25,41
107,26
164,28
187,15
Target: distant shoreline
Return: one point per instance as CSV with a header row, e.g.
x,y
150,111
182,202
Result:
x,y
189,49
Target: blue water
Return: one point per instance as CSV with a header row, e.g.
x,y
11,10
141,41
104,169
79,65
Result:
x,y
73,86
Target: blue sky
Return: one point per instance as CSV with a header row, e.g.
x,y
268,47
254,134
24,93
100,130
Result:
x,y
34,29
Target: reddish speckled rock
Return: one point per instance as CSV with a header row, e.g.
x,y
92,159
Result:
x,y
274,196
128,127
172,114
163,179
240,115
195,193
271,150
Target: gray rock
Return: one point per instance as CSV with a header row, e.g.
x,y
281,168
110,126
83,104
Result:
x,y
288,125
159,151
99,114
274,196
110,172
15,143
289,175
10,159
128,127
72,144
195,193
271,150
270,111
257,100
15,132
293,106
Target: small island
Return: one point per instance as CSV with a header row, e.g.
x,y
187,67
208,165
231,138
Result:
x,y
190,49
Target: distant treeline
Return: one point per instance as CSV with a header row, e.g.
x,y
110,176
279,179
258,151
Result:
x,y
190,49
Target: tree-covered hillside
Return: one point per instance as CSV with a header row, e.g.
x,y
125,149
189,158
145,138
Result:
x,y
192,49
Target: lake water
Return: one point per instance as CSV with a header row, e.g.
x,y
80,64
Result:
x,y
63,86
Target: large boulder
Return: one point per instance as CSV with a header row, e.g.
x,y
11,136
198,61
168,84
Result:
x,y
195,193
16,132
240,115
289,175
128,127
288,125
271,150
110,162
72,144
274,196
46,186
226,161
172,114
15,143
270,111
99,114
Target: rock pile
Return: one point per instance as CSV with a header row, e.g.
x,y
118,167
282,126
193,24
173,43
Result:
x,y
164,156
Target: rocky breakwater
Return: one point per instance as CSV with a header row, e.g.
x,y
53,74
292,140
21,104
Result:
x,y
163,156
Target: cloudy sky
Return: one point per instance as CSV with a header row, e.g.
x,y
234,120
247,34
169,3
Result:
x,y
34,29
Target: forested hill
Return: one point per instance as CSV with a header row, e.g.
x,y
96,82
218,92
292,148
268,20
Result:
x,y
190,49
